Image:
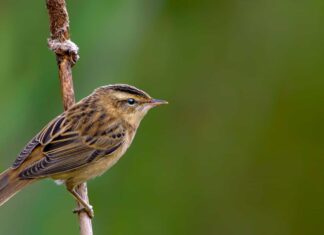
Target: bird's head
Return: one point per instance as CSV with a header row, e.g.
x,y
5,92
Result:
x,y
128,102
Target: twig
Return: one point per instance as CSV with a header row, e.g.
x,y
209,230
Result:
x,y
67,55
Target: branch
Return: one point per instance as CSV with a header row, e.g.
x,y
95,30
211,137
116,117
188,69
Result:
x,y
66,55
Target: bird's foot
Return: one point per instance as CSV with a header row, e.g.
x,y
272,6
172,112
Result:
x,y
88,210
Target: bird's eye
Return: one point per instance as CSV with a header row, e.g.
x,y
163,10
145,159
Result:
x,y
131,101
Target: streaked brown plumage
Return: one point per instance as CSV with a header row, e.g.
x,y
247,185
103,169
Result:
x,y
81,143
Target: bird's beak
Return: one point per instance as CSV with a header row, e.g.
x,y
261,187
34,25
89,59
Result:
x,y
156,102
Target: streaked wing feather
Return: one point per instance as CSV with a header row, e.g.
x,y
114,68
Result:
x,y
71,150
110,137
47,134
52,130
50,164
25,152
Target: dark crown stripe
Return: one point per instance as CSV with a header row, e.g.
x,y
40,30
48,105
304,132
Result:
x,y
129,89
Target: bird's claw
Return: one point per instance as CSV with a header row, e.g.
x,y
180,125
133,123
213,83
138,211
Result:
x,y
89,211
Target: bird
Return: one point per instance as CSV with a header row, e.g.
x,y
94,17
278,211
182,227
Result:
x,y
81,143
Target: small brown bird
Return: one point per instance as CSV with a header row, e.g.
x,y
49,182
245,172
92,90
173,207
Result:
x,y
81,143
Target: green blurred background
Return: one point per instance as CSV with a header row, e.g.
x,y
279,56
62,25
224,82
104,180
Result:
x,y
239,149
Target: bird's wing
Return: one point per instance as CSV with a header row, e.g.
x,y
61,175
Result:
x,y
49,132
67,148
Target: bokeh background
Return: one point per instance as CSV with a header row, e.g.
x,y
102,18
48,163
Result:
x,y
239,149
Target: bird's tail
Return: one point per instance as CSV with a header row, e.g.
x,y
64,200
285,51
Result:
x,y
10,184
